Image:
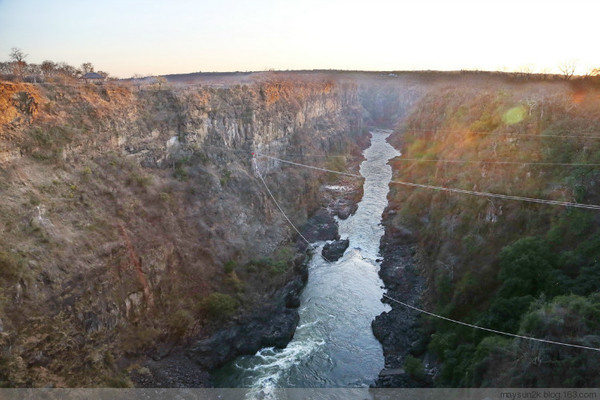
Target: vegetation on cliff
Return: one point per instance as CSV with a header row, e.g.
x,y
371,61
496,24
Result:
x,y
518,267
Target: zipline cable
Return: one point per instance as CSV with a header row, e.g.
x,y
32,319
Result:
x,y
488,329
451,190
416,308
515,134
283,212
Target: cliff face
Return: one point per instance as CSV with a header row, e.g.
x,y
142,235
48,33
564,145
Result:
x,y
130,219
512,266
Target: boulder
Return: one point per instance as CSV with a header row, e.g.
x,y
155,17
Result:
x,y
333,251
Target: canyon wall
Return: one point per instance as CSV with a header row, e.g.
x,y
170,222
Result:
x,y
518,267
132,219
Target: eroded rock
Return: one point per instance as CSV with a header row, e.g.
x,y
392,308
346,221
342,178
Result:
x,y
335,250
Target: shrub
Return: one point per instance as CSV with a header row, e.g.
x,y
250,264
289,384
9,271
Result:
x,y
414,367
527,268
230,266
118,382
12,265
180,321
180,173
219,305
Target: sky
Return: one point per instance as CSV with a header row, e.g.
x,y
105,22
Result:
x,y
150,37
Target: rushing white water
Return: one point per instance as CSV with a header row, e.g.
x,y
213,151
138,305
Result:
x,y
333,345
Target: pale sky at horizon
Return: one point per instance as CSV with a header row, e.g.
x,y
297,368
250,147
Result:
x,y
125,37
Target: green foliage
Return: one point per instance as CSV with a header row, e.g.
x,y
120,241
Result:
x,y
528,269
234,282
120,382
418,148
484,357
573,319
180,173
230,266
504,314
164,196
414,367
457,364
284,254
570,227
12,266
269,265
226,177
180,168
219,305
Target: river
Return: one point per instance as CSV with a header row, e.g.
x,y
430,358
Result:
x,y
333,345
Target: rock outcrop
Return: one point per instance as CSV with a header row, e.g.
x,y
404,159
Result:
x,y
334,250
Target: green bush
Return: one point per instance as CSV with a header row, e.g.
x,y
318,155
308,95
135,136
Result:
x,y
120,382
230,266
219,305
414,367
180,173
12,266
528,268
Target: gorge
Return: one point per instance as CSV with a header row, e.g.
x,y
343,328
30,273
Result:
x,y
138,247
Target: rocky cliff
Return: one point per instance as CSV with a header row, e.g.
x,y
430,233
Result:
x,y
132,220
518,267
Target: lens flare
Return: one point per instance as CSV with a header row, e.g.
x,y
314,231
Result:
x,y
514,115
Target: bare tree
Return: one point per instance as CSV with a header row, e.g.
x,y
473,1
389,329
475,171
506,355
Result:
x,y
136,79
17,55
567,69
87,67
48,68
18,58
66,72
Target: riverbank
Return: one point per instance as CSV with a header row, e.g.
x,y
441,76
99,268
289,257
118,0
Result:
x,y
190,364
397,329
340,300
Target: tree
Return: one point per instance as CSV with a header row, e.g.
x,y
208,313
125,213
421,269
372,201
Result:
x,y
87,67
136,79
17,55
567,69
525,71
527,267
48,67
18,58
67,70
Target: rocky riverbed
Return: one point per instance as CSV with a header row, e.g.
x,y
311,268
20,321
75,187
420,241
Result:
x,y
397,329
